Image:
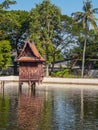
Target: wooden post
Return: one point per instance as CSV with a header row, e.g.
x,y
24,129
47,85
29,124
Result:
x,y
30,84
20,89
33,87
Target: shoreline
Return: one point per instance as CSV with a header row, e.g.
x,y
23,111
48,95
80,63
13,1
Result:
x,y
56,82
75,81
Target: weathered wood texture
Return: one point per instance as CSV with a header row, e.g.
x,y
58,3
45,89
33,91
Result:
x,y
31,72
30,64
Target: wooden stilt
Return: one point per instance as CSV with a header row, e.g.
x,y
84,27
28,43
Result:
x,y
34,85
20,89
20,84
33,88
30,84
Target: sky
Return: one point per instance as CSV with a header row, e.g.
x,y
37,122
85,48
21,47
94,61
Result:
x,y
66,6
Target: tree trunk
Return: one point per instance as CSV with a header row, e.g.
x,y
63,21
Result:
x,y
47,70
52,68
83,59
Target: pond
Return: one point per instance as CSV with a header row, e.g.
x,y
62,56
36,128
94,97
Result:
x,y
48,109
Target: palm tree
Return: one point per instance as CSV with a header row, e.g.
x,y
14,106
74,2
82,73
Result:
x,y
6,3
86,18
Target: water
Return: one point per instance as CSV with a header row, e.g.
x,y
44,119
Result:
x,y
51,109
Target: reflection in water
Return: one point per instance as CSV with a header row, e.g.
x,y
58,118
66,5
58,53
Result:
x,y
29,110
4,108
8,105
82,108
59,109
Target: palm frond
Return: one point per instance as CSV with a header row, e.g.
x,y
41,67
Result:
x,y
93,23
95,10
77,16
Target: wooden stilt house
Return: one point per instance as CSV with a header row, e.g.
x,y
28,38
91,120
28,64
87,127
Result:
x,y
30,64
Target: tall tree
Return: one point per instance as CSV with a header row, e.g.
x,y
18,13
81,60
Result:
x,y
13,27
45,30
18,29
86,18
91,51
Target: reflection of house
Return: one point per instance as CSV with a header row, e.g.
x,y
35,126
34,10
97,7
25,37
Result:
x,y
30,64
29,111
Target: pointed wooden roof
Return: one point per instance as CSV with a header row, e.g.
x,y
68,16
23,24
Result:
x,y
35,57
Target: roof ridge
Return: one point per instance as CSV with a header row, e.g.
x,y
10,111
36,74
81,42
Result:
x,y
33,49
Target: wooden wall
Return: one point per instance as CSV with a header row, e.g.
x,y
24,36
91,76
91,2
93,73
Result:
x,y
30,71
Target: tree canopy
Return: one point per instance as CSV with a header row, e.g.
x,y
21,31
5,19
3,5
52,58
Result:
x,y
5,53
45,29
86,18
56,36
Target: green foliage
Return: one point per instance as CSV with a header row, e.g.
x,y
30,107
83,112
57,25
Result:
x,y
45,29
86,18
5,53
91,54
18,31
13,27
56,36
61,73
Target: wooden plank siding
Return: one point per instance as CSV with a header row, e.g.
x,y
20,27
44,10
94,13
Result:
x,y
30,64
31,72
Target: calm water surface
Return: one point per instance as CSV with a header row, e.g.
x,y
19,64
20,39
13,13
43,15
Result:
x,y
51,109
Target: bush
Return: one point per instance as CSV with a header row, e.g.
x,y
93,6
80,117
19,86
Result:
x,y
5,53
62,73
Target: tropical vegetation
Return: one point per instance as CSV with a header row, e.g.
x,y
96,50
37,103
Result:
x,y
85,19
56,35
